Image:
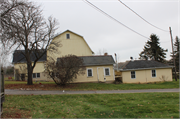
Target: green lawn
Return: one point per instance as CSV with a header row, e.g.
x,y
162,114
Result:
x,y
135,105
91,86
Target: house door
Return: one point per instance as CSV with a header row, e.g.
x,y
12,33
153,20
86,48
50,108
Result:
x,y
101,74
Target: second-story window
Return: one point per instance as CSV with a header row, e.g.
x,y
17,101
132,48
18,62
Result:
x,y
67,36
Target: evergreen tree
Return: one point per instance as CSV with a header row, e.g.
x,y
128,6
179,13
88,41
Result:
x,y
152,50
176,54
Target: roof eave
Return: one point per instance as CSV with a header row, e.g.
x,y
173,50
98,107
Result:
x,y
97,64
146,68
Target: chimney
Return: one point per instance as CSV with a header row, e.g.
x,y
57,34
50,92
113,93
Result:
x,y
105,54
131,58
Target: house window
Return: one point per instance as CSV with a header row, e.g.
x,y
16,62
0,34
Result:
x,y
153,73
107,72
36,75
133,74
67,36
89,72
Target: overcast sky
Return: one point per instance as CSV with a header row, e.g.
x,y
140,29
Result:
x,y
102,33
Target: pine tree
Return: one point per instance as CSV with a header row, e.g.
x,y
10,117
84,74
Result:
x,y
152,50
176,54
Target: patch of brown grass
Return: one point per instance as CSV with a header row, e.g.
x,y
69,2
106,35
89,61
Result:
x,y
15,113
39,86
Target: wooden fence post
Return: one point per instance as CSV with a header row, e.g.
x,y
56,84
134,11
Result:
x,y
2,89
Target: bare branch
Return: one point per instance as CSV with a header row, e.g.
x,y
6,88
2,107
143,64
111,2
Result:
x,y
24,27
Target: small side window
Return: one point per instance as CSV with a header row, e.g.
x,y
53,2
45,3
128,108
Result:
x,y
107,72
153,73
67,36
89,72
133,74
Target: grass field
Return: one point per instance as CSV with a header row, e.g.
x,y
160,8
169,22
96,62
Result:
x,y
89,86
135,105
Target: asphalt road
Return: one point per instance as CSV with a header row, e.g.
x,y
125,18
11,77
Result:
x,y
38,92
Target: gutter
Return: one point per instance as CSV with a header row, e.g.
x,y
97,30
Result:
x,y
98,64
146,68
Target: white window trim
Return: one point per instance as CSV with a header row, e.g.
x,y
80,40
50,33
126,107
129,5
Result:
x,y
33,76
66,36
91,70
152,73
135,75
39,75
36,75
105,71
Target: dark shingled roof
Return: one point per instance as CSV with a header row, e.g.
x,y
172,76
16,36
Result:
x,y
18,57
98,60
142,64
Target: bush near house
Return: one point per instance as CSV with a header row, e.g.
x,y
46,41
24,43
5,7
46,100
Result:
x,y
65,69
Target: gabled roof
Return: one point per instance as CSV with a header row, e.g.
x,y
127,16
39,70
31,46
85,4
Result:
x,y
68,31
77,35
18,56
98,60
141,64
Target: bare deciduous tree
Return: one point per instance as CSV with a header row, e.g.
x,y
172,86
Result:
x,y
3,56
65,70
101,52
25,28
6,9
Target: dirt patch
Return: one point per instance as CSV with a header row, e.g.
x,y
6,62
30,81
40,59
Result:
x,y
40,86
15,113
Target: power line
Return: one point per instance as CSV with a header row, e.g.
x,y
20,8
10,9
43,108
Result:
x,y
92,5
141,17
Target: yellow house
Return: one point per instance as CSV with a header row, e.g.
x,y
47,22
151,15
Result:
x,y
75,44
144,71
72,43
20,66
98,69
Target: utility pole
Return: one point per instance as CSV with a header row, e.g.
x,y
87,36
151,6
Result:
x,y
179,57
116,61
173,53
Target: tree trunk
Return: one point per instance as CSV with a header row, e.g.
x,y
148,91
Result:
x,y
30,73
